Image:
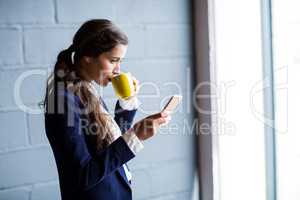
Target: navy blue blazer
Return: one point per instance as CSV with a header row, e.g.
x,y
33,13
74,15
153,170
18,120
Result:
x,y
85,173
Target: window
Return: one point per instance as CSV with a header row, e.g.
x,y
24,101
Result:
x,y
286,34
239,78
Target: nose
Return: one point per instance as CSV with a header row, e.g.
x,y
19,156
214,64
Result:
x,y
117,68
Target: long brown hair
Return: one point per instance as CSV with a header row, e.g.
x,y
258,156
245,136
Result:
x,y
92,38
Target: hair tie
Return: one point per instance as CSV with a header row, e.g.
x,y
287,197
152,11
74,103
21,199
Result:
x,y
72,48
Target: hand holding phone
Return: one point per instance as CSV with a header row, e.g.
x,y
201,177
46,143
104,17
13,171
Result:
x,y
157,120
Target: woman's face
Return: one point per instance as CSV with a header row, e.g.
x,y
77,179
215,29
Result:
x,y
101,68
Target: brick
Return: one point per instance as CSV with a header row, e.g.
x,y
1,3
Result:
x,y
30,90
9,78
136,36
171,177
168,41
140,184
27,167
157,72
13,130
46,191
167,11
11,46
131,11
72,12
155,11
22,193
172,180
29,11
174,196
34,86
36,129
43,45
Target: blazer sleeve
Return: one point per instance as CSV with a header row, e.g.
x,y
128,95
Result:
x,y
91,168
124,118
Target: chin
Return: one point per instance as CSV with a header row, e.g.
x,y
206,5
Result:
x,y
103,83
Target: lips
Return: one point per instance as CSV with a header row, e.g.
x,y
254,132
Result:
x,y
112,75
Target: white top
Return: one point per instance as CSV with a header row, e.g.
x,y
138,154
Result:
x,y
129,136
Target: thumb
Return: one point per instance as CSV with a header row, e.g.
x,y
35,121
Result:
x,y
157,115
162,120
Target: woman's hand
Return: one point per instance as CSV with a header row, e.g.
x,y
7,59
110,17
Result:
x,y
148,126
131,102
136,87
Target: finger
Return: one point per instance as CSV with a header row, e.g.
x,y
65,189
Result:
x,y
162,120
163,124
135,84
166,112
133,87
136,81
159,121
168,118
157,115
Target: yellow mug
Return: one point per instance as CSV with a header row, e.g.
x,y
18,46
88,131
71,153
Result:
x,y
124,85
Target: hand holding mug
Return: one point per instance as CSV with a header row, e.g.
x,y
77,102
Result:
x,y
136,84
125,85
148,126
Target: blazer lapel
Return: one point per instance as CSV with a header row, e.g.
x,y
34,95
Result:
x,y
120,170
104,105
123,176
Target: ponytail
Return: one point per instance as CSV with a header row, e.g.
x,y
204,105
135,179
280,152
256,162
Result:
x,y
65,65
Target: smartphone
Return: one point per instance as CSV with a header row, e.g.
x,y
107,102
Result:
x,y
173,102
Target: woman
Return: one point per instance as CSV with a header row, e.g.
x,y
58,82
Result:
x,y
90,147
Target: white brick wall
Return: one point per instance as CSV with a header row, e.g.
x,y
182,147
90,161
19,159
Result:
x,y
11,52
32,33
26,12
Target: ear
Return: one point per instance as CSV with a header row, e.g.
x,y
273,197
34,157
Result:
x,y
87,59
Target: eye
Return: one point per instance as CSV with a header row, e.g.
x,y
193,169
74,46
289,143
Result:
x,y
115,61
